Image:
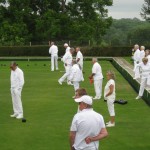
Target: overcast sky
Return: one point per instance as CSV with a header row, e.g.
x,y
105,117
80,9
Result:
x,y
126,9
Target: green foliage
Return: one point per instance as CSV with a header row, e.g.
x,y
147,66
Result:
x,y
121,30
44,20
140,35
145,11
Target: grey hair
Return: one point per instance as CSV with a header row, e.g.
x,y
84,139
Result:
x,y
74,61
112,74
94,59
143,47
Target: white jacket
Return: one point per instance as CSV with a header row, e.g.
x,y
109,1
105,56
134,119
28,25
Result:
x,y
75,74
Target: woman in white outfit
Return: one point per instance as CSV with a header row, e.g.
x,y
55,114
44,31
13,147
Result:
x,y
145,75
110,96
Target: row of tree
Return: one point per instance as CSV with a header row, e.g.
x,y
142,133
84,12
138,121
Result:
x,y
125,32
22,21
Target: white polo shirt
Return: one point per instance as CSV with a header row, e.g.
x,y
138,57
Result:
x,y
142,55
67,58
86,123
145,69
75,74
80,56
67,49
17,78
53,50
136,55
107,89
97,70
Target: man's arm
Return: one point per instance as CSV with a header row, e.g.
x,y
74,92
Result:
x,y
78,60
71,139
91,76
103,133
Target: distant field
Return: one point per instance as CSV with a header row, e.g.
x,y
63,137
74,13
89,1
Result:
x,y
49,109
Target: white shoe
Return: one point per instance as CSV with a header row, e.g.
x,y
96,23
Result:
x,y
138,97
69,83
96,98
19,117
110,124
59,82
14,115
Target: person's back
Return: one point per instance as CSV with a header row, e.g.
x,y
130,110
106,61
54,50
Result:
x,y
79,57
75,73
136,56
97,70
53,50
89,123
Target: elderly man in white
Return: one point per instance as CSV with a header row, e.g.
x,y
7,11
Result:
x,y
145,76
79,60
66,47
17,82
53,50
98,78
75,75
87,127
67,59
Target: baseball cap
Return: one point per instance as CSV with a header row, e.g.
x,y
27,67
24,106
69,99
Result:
x,y
65,44
85,98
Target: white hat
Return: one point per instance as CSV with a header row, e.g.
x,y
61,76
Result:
x,y
65,44
85,98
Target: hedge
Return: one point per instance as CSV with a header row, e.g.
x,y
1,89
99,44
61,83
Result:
x,y
43,51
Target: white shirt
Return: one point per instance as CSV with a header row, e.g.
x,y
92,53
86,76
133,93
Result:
x,y
107,89
67,59
79,56
142,55
75,74
86,123
53,50
145,69
136,56
97,70
17,78
148,58
67,49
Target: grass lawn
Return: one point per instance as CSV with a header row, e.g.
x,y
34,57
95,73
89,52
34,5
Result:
x,y
49,109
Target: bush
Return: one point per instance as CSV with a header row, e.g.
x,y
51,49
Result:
x,y
44,51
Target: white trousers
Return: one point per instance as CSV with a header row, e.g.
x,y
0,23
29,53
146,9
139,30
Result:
x,y
76,85
98,87
111,109
16,101
54,62
66,75
142,86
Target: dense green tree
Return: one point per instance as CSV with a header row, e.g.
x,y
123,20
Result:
x,y
43,20
89,18
121,30
140,35
145,11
